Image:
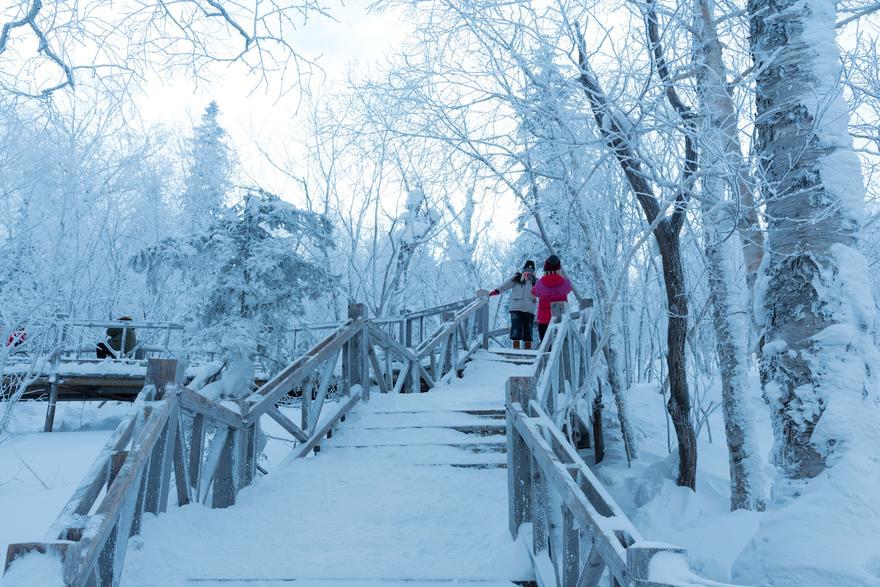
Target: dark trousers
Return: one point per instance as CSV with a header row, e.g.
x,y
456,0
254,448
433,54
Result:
x,y
542,330
104,352
521,326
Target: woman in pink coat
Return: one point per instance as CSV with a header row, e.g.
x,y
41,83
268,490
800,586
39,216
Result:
x,y
552,287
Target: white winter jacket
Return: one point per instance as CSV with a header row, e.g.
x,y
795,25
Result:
x,y
521,298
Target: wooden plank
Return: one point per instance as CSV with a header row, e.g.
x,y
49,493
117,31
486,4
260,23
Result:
x,y
182,481
195,402
519,480
196,450
224,478
571,550
287,424
50,409
212,461
323,386
377,370
156,470
357,313
84,496
319,434
401,378
167,459
161,373
593,570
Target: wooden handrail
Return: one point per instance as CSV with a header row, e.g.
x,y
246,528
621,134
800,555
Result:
x,y
544,467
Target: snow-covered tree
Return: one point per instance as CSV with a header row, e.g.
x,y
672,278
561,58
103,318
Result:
x,y
208,177
253,267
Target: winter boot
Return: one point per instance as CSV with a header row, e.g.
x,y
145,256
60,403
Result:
x,y
516,344
527,344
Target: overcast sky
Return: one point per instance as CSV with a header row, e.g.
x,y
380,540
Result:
x,y
250,114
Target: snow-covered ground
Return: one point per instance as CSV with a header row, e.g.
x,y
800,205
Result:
x,y
701,522
381,501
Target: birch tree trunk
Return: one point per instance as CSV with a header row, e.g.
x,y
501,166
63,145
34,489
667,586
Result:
x,y
722,174
813,293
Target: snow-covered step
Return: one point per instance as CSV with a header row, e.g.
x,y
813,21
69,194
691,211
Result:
x,y
488,446
434,418
426,454
404,435
355,582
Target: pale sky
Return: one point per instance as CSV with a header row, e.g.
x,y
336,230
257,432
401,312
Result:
x,y
250,114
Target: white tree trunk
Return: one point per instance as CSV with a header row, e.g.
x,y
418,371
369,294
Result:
x,y
722,175
813,294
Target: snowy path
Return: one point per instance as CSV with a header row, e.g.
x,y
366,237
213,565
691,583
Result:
x,y
410,490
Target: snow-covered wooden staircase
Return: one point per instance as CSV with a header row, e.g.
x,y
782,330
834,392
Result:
x,y
409,490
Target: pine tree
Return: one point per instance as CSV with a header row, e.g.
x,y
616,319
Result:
x,y
208,177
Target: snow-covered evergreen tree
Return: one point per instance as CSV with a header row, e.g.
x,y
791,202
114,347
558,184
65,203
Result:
x,y
208,177
253,269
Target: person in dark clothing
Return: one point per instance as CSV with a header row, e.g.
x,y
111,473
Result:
x,y
552,287
120,341
522,304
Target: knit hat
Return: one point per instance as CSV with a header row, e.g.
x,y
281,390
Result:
x,y
552,263
529,266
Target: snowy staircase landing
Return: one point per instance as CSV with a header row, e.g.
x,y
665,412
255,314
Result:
x,y
410,490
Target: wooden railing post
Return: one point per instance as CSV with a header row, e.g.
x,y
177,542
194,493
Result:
x,y
519,390
484,326
163,372
354,358
638,561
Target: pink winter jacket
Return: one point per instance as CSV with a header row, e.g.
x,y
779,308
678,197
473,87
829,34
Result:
x,y
550,288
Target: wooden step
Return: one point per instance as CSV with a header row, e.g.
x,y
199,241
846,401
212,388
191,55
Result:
x,y
477,447
357,582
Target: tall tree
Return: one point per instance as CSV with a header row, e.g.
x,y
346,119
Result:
x,y
815,301
208,177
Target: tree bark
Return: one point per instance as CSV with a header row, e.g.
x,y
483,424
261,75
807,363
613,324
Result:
x,y
666,231
722,174
814,299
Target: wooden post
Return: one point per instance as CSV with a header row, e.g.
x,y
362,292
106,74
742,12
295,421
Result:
x,y
519,390
408,335
446,364
53,400
356,347
571,549
638,560
224,479
484,326
163,372
363,349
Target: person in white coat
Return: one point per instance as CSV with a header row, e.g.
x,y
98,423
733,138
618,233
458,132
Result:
x,y
523,304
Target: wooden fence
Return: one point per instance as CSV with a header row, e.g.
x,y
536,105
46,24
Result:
x,y
579,535
208,452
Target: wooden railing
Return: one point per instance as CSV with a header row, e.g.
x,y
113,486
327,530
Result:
x,y
173,434
208,451
409,328
578,534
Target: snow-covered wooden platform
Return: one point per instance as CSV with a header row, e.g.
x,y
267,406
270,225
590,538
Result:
x,y
411,489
